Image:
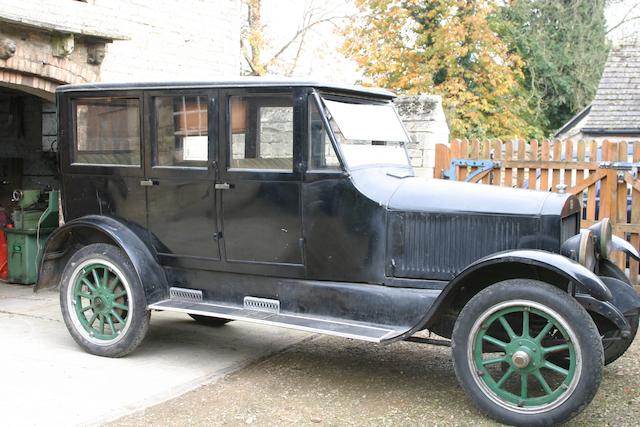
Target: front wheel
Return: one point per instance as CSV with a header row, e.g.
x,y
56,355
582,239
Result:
x,y
102,301
504,345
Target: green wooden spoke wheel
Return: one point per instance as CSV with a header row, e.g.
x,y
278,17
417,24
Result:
x,y
102,301
527,353
529,334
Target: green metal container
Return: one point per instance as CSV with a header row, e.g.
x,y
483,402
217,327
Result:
x,y
26,220
24,250
25,242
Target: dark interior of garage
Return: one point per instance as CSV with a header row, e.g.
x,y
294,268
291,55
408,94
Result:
x,y
28,182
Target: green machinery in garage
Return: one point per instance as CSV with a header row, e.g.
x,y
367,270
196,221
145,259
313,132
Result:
x,y
35,217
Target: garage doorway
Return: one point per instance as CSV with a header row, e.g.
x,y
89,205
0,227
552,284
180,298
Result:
x,y
28,151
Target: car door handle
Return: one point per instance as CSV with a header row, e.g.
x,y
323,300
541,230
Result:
x,y
223,186
148,182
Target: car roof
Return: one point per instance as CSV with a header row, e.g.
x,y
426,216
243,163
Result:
x,y
237,82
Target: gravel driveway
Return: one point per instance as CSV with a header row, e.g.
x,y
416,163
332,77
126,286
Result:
x,y
337,382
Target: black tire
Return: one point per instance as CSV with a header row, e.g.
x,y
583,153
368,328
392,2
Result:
x,y
116,301
572,328
209,321
614,349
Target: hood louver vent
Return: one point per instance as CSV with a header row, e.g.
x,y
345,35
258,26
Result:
x,y
439,246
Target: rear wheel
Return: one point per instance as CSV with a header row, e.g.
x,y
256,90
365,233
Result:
x,y
209,321
102,301
504,344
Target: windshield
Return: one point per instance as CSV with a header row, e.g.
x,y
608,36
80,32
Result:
x,y
368,134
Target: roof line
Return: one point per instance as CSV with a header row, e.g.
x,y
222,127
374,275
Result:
x,y
230,83
573,121
611,131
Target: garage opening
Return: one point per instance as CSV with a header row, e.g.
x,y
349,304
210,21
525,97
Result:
x,y
28,181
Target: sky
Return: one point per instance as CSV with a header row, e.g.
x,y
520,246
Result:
x,y
321,59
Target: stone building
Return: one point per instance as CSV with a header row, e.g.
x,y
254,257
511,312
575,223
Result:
x,y
614,114
47,43
424,119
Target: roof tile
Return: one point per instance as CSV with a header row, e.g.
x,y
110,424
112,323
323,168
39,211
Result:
x,y
617,101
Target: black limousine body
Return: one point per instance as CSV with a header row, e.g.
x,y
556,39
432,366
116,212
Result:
x,y
294,204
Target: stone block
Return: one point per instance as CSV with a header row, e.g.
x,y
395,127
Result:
x,y
49,143
49,124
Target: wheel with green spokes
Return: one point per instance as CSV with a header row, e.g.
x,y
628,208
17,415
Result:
x,y
102,301
527,353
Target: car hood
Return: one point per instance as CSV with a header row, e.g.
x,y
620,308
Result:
x,y
408,193
438,195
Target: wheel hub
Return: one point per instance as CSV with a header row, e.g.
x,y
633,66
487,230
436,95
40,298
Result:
x,y
521,359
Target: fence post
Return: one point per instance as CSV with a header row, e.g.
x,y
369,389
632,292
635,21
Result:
x,y
443,160
621,199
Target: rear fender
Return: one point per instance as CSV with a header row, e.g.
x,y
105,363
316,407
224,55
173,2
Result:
x,y
89,229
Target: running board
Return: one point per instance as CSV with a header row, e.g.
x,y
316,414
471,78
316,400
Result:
x,y
267,312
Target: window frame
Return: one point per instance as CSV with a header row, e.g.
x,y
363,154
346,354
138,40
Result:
x,y
314,98
189,172
68,136
298,98
338,147
153,130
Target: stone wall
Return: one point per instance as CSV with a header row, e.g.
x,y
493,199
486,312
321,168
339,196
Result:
x,y
424,119
172,39
66,41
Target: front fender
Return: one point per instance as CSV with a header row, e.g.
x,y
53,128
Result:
x,y
588,281
97,228
514,264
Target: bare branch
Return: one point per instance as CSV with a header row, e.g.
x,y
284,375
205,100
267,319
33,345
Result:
x,y
626,18
299,33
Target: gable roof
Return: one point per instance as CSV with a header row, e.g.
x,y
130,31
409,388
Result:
x,y
616,107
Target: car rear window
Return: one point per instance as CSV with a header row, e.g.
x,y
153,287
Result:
x,y
107,131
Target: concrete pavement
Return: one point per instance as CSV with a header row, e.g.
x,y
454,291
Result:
x,y
46,379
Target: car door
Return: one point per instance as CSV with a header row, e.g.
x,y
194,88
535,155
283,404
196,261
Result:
x,y
179,174
260,183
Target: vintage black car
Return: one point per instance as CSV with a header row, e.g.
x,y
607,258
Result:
x,y
294,204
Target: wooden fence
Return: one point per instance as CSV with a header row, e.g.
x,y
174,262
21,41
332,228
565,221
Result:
x,y
602,175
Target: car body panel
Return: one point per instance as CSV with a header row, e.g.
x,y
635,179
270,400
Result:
x,y
328,243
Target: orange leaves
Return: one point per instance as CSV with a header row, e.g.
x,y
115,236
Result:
x,y
445,47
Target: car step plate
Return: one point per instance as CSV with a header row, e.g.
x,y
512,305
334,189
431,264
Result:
x,y
267,311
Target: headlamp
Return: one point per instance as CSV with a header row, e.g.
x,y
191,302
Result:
x,y
581,248
602,232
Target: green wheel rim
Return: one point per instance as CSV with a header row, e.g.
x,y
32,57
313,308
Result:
x,y
535,352
101,300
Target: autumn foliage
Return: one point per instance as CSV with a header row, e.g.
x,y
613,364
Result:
x,y
448,48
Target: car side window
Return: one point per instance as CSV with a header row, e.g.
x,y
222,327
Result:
x,y
107,131
322,156
261,133
181,131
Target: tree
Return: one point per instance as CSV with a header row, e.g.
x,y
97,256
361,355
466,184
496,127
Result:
x,y
444,47
564,47
261,55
